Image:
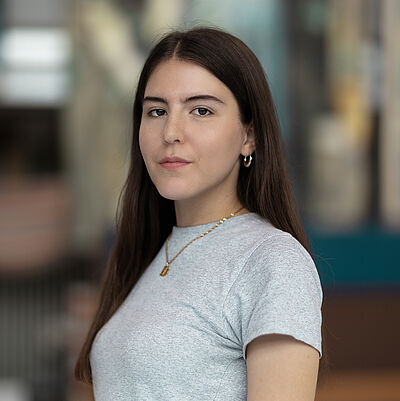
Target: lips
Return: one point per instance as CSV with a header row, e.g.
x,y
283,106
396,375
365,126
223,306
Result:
x,y
172,163
173,160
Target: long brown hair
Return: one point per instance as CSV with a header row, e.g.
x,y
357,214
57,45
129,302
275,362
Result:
x,y
147,218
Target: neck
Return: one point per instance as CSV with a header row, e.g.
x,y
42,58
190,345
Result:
x,y
190,212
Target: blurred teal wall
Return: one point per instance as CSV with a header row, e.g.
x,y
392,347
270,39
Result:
x,y
368,256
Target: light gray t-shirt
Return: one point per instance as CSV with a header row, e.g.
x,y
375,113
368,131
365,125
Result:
x,y
183,336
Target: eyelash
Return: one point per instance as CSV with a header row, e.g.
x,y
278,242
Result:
x,y
150,113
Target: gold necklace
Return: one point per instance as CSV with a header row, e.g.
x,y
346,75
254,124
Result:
x,y
164,271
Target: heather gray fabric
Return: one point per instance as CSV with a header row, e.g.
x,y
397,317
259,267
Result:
x,y
183,336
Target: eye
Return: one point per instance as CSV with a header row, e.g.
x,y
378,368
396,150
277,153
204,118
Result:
x,y
201,111
156,112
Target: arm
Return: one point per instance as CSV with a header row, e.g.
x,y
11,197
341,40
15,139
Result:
x,y
281,368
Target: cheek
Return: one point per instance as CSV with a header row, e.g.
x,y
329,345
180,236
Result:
x,y
223,143
144,143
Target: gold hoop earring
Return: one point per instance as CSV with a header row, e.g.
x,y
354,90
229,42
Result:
x,y
247,163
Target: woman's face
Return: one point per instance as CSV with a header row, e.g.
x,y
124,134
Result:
x,y
190,114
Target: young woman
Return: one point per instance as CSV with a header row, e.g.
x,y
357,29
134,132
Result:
x,y
210,292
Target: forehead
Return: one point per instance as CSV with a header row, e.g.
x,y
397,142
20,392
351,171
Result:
x,y
183,78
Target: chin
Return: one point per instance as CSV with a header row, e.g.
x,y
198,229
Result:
x,y
173,192
170,191
174,195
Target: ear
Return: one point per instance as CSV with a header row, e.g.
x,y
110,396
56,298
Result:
x,y
249,141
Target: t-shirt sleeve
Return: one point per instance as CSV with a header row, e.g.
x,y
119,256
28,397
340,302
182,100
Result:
x,y
278,291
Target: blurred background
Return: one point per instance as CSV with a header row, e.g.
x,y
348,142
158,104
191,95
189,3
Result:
x,y
68,70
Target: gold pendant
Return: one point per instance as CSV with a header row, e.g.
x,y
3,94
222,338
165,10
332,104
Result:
x,y
164,271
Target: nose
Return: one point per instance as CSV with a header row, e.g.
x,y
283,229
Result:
x,y
173,128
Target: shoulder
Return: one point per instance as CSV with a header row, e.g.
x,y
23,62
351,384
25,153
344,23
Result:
x,y
283,249
282,259
251,231
276,290
254,225
266,242
275,257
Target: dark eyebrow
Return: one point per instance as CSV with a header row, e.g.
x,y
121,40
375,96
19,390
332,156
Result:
x,y
187,100
203,97
154,99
